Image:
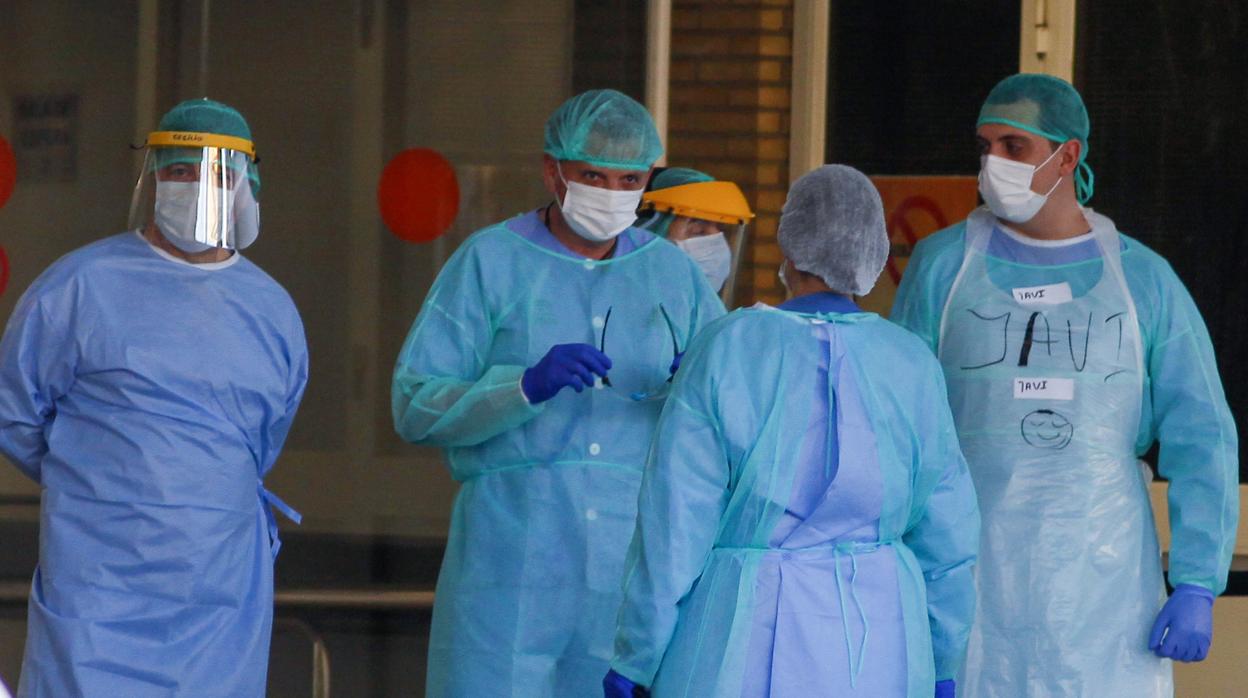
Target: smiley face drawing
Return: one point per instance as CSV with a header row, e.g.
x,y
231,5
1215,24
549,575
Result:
x,y
1047,429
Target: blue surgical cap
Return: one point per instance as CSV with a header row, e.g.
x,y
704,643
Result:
x,y
604,128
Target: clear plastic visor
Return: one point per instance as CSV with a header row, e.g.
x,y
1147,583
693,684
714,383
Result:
x,y
680,228
198,198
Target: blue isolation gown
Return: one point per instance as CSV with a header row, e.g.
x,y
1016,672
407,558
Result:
x,y
806,523
1056,391
530,584
149,397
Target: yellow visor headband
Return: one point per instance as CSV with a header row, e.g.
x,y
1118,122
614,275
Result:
x,y
191,139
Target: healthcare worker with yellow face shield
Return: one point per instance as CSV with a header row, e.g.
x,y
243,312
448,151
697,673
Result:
x,y
147,383
704,217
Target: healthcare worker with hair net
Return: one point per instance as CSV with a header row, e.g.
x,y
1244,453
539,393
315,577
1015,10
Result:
x,y
1069,349
691,209
539,362
147,383
806,525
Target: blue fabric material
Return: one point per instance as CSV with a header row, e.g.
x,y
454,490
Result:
x,y
946,689
1184,627
532,227
531,578
823,302
149,398
1009,249
755,569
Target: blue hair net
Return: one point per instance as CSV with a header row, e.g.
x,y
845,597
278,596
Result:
x,y
604,128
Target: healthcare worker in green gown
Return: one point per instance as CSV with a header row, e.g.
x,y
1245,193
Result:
x,y
540,362
1069,349
806,524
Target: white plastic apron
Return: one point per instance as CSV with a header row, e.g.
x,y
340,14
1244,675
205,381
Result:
x,y
1046,393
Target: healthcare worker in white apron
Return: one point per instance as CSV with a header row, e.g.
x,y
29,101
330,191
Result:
x,y
1069,349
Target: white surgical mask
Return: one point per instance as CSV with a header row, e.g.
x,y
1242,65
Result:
x,y
712,255
1006,187
598,214
176,211
788,292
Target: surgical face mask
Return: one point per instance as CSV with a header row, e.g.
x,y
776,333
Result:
x,y
712,255
1006,187
598,214
176,210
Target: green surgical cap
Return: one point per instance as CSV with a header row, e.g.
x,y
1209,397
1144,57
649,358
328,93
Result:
x,y
676,176
604,128
1048,107
659,222
204,116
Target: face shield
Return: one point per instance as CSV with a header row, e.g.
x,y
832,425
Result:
x,y
199,190
708,221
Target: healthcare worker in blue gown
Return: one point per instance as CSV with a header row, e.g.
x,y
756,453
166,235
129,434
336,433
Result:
x,y
1069,349
806,524
539,362
147,383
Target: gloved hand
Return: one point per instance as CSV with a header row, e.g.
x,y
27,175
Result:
x,y
564,366
675,364
944,689
1186,621
616,686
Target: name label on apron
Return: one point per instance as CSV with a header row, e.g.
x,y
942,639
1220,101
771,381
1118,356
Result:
x,y
1044,389
1044,295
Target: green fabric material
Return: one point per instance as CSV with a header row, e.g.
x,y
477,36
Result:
x,y
530,584
604,128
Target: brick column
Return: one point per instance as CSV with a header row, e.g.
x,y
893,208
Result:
x,y
730,84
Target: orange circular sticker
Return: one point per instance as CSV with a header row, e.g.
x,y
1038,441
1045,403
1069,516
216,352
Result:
x,y
418,195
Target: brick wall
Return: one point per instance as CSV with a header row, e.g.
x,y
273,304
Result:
x,y
729,114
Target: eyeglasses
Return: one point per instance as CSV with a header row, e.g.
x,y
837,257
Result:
x,y
671,329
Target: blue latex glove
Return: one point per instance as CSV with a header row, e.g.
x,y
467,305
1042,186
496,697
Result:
x,y
1186,621
676,363
564,366
944,689
616,686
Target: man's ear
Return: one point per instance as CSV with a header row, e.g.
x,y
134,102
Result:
x,y
1072,150
550,175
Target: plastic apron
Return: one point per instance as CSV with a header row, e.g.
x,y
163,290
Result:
x,y
1046,393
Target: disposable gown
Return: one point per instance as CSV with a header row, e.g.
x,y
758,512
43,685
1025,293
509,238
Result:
x,y
530,583
1056,390
149,397
776,556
